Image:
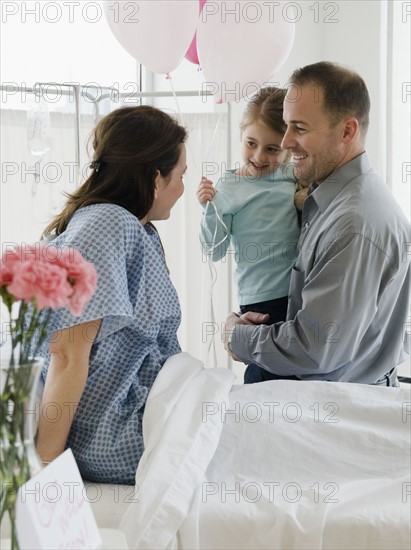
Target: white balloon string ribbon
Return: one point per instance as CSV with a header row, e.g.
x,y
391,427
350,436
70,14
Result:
x,y
213,276
168,77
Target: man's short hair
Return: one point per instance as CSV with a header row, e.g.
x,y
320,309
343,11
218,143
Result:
x,y
345,92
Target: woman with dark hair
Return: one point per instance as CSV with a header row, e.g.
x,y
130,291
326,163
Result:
x,y
99,368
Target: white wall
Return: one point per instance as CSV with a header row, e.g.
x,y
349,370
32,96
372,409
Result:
x,y
350,32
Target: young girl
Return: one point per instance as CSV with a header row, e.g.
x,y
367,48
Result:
x,y
253,210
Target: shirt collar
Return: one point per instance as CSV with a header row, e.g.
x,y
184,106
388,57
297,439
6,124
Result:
x,y
312,188
325,193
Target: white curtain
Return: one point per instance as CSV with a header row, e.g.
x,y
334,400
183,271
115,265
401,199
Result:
x,y
24,216
190,271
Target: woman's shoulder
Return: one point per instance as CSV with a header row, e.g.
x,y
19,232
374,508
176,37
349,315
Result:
x,y
109,217
102,232
105,211
102,224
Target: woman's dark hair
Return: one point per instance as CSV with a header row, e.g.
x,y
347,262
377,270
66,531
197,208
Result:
x,y
266,106
345,92
130,145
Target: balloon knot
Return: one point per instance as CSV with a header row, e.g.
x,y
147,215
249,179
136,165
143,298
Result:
x,y
168,76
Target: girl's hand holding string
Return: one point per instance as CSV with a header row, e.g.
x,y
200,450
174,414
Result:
x,y
205,191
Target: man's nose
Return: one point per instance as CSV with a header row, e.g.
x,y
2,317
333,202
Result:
x,y
288,141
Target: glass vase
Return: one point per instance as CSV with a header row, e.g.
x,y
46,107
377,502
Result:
x,y
20,410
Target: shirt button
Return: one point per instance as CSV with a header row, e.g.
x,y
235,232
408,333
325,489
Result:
x,y
306,225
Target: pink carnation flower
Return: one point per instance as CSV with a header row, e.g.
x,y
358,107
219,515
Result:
x,y
15,256
49,278
9,259
6,274
52,277
81,275
47,284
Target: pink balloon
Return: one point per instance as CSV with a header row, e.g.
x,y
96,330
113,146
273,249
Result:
x,y
156,33
241,45
191,54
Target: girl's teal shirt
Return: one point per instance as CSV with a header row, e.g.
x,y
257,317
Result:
x,y
261,232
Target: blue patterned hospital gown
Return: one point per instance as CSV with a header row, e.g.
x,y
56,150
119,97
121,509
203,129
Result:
x,y
140,315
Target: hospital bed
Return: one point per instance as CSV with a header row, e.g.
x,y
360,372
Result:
x,y
279,465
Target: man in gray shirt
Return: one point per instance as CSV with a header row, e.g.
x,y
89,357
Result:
x,y
349,292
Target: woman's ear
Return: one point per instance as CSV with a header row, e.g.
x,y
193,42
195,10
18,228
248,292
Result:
x,y
157,183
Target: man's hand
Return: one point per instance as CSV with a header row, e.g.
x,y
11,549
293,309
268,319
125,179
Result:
x,y
233,319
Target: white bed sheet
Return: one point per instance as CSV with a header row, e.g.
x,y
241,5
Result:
x,y
312,465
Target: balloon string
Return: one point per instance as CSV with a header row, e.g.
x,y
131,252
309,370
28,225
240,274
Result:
x,y
212,346
200,118
213,276
181,121
168,77
214,136
214,245
200,82
212,270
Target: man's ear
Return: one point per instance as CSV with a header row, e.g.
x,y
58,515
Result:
x,y
351,130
